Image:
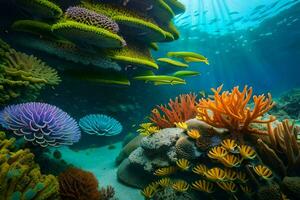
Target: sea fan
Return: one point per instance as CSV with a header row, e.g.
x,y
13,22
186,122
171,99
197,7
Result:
x,y
100,125
40,123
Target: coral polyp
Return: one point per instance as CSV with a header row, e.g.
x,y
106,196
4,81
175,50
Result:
x,y
183,164
217,152
215,174
247,152
263,171
180,186
204,186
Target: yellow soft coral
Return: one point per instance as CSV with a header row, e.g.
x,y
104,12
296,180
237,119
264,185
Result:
x,y
231,110
147,129
20,176
180,186
203,186
194,134
183,164
165,171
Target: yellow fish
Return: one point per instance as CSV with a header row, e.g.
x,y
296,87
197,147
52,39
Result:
x,y
191,59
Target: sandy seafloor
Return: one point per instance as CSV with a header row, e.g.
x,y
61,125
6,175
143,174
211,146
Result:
x,y
101,162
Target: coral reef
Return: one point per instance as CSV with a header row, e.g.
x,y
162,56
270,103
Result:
x,y
100,125
78,184
20,176
22,77
106,34
231,110
41,124
219,157
181,109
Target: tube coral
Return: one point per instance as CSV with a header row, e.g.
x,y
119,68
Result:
x,y
231,110
40,123
181,109
100,125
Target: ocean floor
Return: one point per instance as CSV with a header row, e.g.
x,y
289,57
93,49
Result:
x,y
101,162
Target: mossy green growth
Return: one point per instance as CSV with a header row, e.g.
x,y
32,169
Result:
x,y
34,27
135,55
81,33
41,8
176,6
130,23
170,62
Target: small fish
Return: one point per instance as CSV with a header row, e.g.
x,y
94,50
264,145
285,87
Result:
x,y
184,73
191,59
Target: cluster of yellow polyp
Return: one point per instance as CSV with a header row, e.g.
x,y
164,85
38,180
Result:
x,y
20,177
231,110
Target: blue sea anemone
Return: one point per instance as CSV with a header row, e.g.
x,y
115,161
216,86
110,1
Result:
x,y
100,125
40,123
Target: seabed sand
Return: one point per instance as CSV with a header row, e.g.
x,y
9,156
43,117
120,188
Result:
x,y
101,162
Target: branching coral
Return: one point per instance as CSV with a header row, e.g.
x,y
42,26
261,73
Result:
x,y
22,75
231,110
76,184
100,125
20,177
40,123
283,152
181,109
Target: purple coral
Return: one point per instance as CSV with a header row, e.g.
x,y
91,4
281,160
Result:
x,y
92,18
40,123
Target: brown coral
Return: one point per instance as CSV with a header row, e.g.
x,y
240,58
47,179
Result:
x,y
181,109
186,149
283,152
107,193
231,110
76,184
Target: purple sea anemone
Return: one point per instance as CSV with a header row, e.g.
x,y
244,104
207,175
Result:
x,y
40,123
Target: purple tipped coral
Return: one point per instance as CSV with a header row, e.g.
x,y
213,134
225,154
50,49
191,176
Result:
x,y
40,123
92,18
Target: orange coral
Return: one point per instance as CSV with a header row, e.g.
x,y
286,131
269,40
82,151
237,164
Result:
x,y
231,110
181,109
76,184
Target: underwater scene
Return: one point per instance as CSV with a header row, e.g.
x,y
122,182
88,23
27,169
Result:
x,y
149,100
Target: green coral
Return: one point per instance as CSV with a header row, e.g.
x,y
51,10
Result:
x,y
82,33
22,76
130,23
136,55
20,176
33,27
42,8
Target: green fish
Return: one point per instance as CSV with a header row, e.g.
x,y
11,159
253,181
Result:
x,y
185,73
171,62
188,56
149,76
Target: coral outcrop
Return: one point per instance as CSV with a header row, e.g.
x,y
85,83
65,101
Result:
x,y
20,176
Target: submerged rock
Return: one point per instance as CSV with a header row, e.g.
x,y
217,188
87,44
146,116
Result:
x,y
269,192
132,175
162,140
